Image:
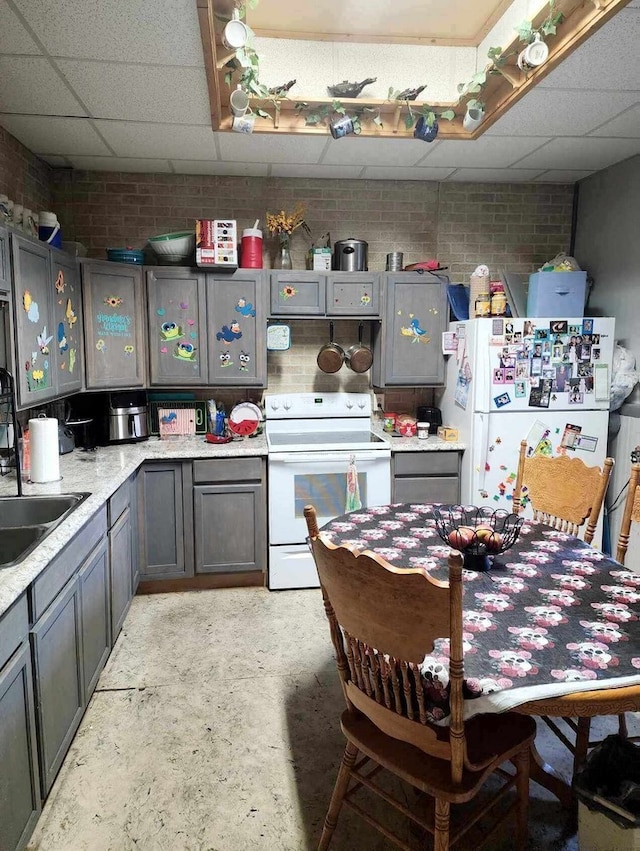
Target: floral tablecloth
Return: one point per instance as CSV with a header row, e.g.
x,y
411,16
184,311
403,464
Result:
x,y
553,615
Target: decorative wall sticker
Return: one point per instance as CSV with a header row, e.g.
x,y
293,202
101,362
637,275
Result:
x,y
31,306
229,333
414,330
184,305
26,300
70,314
72,359
43,340
100,346
225,359
63,365
245,359
113,301
185,351
161,311
60,281
63,345
170,331
113,325
34,358
288,292
164,350
245,307
365,299
128,350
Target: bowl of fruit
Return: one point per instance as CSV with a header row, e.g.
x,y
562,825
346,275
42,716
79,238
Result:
x,y
479,534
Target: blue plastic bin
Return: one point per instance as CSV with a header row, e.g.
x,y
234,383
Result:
x,y
557,294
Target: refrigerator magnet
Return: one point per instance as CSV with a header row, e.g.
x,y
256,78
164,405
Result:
x,y
587,443
502,400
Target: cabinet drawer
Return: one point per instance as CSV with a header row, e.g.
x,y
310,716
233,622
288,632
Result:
x,y
14,626
118,502
62,568
228,470
297,293
426,489
353,294
426,463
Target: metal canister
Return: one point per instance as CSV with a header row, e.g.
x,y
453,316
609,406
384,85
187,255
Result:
x,y
395,261
483,305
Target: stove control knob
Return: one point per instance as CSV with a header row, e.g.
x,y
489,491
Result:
x,y
361,404
287,406
349,405
275,405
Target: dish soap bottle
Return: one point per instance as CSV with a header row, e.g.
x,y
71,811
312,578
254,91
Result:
x,y
220,421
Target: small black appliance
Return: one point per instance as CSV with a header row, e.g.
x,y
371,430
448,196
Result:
x,y
428,414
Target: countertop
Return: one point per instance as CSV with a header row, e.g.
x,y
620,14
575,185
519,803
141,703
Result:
x,y
101,473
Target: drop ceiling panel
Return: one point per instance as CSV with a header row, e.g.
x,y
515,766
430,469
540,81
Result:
x,y
559,175
625,125
44,134
375,172
270,148
485,152
607,61
553,112
353,150
170,95
124,164
28,84
587,153
346,172
209,167
494,175
152,31
132,139
14,38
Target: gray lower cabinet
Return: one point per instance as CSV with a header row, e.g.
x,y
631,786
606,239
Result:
x,y
60,698
5,274
165,516
96,618
426,477
408,339
19,782
229,515
120,562
134,520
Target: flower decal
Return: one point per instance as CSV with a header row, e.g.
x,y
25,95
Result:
x,y
288,292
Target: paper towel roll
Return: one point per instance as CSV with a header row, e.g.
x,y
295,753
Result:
x,y
45,459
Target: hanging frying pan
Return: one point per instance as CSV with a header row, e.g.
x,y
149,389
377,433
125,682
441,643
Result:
x,y
358,357
331,355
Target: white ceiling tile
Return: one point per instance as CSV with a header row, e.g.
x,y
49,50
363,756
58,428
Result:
x,y
553,112
270,147
45,134
213,167
560,175
626,125
608,60
131,139
374,172
494,175
151,31
14,38
485,152
586,153
355,150
124,164
30,85
140,92
344,171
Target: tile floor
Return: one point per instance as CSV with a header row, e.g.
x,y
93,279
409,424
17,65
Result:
x,y
214,727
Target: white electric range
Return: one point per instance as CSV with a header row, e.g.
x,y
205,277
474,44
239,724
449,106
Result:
x,y
311,439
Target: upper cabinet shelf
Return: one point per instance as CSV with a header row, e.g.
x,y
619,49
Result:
x,y
348,294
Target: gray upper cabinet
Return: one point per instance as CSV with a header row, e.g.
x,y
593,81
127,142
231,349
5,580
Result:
x,y
5,274
237,328
408,340
177,328
96,626
19,785
353,294
66,346
115,342
33,322
298,293
165,530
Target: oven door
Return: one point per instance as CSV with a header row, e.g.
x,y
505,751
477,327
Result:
x,y
319,478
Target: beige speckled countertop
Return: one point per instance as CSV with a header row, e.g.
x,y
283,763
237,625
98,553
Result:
x,y
101,473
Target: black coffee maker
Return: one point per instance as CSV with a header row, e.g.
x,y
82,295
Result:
x,y
431,415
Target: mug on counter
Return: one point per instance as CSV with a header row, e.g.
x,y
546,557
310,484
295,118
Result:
x,y
244,123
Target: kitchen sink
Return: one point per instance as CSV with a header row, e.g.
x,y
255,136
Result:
x,y
26,520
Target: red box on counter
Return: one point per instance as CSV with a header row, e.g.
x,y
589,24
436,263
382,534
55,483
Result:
x,y
217,243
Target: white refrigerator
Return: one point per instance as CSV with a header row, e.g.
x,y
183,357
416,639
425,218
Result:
x,y
543,380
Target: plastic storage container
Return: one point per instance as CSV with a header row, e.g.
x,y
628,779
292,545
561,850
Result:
x,y
126,255
556,294
251,249
49,229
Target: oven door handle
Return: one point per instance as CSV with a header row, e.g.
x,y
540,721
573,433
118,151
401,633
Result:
x,y
321,457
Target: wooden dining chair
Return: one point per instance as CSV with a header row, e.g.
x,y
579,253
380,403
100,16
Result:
x,y
631,513
383,620
564,492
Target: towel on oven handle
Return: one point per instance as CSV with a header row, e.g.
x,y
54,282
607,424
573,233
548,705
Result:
x,y
352,502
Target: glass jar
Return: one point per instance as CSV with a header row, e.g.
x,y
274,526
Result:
x,y
423,431
498,303
483,304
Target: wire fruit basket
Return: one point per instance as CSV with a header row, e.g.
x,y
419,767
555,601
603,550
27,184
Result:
x,y
479,534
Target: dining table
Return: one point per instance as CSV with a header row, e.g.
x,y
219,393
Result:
x,y
552,629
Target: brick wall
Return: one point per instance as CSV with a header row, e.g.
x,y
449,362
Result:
x,y
23,177
510,226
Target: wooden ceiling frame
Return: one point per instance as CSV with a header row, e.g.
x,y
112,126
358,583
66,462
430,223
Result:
x,y
504,87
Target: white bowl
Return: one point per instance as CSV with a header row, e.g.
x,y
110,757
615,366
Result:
x,y
176,245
